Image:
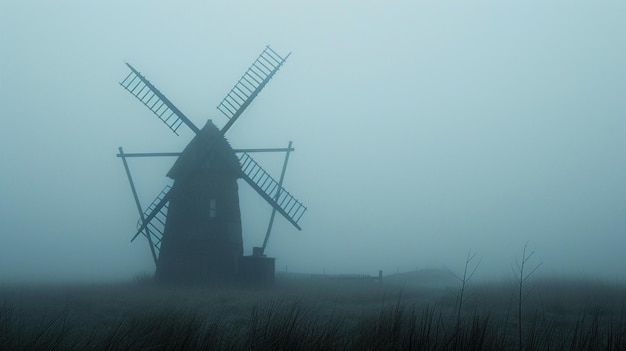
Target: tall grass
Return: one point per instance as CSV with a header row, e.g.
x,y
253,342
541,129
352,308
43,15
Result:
x,y
279,320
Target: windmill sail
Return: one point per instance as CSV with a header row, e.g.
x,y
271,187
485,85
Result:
x,y
271,191
156,226
150,96
158,209
250,84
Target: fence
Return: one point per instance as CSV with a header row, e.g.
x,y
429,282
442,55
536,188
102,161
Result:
x,y
378,277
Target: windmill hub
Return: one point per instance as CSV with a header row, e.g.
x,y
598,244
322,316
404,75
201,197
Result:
x,y
194,227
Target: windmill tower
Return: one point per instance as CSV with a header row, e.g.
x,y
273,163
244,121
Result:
x,y
194,227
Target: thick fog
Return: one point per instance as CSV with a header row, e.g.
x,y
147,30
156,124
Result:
x,y
422,129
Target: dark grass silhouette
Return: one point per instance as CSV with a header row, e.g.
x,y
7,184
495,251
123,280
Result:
x,y
314,314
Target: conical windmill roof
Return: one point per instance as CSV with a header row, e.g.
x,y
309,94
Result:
x,y
208,152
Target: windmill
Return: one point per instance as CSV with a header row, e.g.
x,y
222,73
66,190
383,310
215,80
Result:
x,y
193,227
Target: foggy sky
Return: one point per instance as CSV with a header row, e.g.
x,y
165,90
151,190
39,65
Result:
x,y
422,130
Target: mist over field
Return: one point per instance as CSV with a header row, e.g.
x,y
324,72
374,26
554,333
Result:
x,y
422,130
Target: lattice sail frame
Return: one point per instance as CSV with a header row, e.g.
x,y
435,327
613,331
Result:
x,y
156,226
151,97
250,85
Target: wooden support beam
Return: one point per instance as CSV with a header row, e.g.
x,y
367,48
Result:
x,y
166,154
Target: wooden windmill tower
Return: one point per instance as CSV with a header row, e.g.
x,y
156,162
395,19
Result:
x,y
194,226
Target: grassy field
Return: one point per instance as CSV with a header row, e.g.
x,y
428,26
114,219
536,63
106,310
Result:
x,y
412,311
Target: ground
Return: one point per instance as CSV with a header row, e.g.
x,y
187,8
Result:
x,y
416,310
